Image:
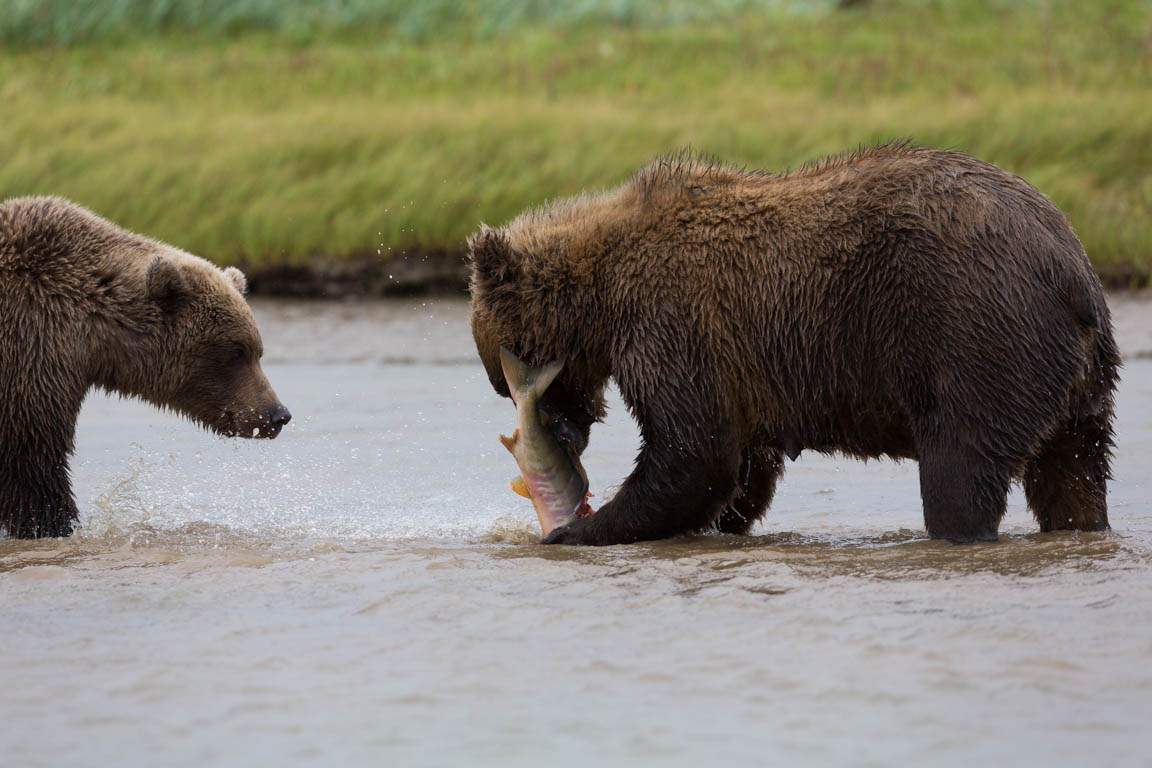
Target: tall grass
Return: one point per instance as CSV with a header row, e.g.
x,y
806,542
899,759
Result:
x,y
268,147
67,22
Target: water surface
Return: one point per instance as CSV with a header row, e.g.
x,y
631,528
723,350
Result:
x,y
366,590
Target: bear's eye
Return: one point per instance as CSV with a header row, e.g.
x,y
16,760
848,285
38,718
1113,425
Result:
x,y
237,354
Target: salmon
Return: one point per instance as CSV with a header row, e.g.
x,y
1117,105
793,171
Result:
x,y
551,473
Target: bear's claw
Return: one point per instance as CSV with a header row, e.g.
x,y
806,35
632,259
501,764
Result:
x,y
578,532
575,533
562,535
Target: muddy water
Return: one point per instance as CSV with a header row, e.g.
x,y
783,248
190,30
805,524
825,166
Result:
x,y
366,590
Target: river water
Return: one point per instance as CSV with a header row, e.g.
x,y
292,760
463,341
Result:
x,y
366,590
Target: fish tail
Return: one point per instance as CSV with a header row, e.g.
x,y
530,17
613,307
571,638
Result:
x,y
525,382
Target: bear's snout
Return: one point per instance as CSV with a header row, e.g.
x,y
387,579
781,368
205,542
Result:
x,y
257,423
275,421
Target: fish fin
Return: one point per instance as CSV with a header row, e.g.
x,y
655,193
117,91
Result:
x,y
519,486
510,442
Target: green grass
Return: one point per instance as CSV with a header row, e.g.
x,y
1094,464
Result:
x,y
66,22
270,141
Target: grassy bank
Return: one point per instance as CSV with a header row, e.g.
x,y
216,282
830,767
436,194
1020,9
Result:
x,y
291,145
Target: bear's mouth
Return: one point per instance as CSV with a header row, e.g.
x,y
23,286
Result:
x,y
249,425
567,433
265,431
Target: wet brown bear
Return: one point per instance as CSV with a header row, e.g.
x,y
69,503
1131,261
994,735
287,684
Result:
x,y
897,302
84,303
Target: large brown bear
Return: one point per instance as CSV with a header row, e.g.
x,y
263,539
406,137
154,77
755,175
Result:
x,y
84,303
897,302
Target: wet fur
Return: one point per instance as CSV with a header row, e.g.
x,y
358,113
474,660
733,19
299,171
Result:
x,y
896,301
84,303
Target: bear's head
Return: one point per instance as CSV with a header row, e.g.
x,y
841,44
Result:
x,y
204,356
520,302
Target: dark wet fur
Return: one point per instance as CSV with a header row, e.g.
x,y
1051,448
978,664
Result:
x,y
895,301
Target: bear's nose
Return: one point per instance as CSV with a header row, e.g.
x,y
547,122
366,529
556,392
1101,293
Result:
x,y
279,416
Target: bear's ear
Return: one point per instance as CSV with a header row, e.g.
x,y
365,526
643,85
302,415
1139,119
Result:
x,y
493,259
236,277
165,283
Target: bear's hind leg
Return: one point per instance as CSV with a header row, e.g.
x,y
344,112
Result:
x,y
760,469
1066,482
964,491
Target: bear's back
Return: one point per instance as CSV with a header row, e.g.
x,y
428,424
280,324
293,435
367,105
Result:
x,y
36,232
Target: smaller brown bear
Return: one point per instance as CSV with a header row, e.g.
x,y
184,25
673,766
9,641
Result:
x,y
85,303
899,302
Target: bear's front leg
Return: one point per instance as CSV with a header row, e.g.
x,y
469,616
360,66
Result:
x,y
36,499
671,492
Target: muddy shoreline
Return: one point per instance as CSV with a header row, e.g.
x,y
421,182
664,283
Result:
x,y
445,273
427,273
